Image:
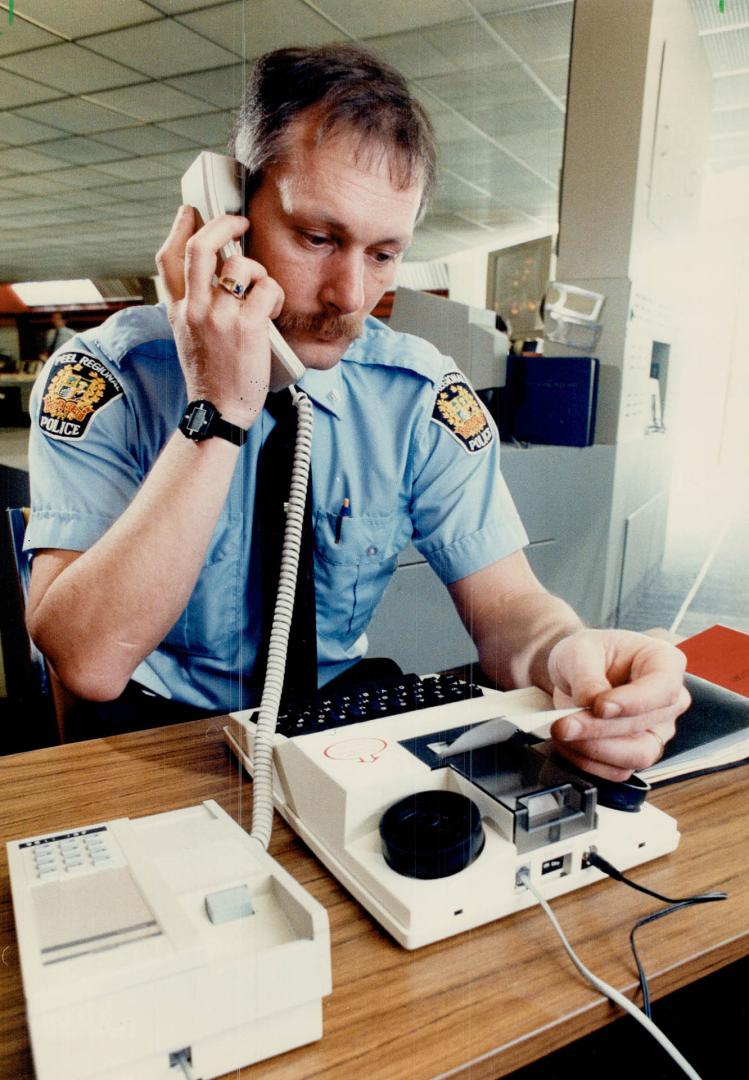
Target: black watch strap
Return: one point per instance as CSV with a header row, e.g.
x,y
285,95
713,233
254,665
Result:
x,y
202,420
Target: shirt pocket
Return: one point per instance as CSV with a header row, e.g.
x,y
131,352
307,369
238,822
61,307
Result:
x,y
351,575
211,619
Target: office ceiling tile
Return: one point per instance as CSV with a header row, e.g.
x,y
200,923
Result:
x,y
391,16
75,115
48,218
127,209
465,155
494,87
732,146
160,49
454,223
451,127
152,101
70,197
469,44
76,18
709,16
414,55
29,205
728,52
209,129
495,7
519,118
250,29
177,7
144,139
15,91
178,161
548,141
731,122
541,34
71,68
21,160
728,91
22,35
80,151
464,199
148,189
79,178
221,87
553,73
145,168
20,132
39,184
499,218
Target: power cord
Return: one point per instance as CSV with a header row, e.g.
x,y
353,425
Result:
x,y
674,904
523,878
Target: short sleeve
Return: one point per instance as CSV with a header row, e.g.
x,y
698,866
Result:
x,y
463,515
83,470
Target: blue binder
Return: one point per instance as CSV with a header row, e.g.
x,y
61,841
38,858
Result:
x,y
552,399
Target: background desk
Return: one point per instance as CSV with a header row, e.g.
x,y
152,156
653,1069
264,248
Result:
x,y
485,1002
15,391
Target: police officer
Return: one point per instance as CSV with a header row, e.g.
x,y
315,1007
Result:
x,y
143,540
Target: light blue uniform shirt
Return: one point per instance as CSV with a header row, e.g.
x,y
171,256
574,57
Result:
x,y
379,440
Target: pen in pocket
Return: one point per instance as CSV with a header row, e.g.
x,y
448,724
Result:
x,y
344,512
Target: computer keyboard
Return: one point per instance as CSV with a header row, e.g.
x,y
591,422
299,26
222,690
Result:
x,y
368,701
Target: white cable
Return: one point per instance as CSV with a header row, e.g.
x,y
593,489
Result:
x,y
262,757
609,991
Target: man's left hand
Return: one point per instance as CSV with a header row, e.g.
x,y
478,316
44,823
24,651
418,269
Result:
x,y
631,689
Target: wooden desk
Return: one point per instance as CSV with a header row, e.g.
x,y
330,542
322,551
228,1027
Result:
x,y
485,1002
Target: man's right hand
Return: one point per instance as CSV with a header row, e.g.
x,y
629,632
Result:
x,y
222,341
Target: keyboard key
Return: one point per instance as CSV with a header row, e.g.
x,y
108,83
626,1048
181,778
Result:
x,y
404,694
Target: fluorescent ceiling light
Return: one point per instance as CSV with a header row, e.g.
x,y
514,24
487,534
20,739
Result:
x,y
52,293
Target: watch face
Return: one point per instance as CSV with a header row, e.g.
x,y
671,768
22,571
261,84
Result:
x,y
197,419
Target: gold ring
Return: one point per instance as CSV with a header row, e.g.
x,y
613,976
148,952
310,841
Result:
x,y
659,740
236,288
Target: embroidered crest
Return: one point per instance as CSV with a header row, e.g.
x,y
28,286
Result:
x,y
458,409
77,387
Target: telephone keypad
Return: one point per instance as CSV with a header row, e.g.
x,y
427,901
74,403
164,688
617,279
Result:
x,y
53,858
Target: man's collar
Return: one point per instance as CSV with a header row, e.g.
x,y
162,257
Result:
x,y
325,388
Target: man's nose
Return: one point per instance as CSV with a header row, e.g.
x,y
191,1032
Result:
x,y
344,284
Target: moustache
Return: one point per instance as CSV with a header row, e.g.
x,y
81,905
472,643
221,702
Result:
x,y
321,325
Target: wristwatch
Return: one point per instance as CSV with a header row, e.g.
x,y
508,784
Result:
x,y
202,420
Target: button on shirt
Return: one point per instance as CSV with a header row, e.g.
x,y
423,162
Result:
x,y
376,442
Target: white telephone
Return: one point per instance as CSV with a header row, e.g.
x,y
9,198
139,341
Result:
x,y
212,186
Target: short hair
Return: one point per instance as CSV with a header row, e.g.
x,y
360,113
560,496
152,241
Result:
x,y
352,89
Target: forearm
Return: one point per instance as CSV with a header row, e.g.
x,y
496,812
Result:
x,y
513,620
515,636
122,596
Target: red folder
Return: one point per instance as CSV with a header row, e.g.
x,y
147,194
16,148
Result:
x,y
720,655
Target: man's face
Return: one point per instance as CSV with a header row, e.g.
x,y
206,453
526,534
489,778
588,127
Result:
x,y
331,230
57,320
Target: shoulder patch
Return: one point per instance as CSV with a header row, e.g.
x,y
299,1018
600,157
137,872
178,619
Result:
x,y
77,387
459,411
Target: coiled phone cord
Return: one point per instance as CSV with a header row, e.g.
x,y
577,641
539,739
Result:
x,y
262,787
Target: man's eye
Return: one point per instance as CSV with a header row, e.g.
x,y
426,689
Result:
x,y
383,257
315,239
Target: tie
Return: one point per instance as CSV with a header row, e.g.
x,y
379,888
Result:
x,y
272,491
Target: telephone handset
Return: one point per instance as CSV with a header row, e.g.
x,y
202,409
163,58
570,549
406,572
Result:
x,y
211,185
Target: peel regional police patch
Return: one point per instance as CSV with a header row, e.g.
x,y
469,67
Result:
x,y
77,387
458,409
